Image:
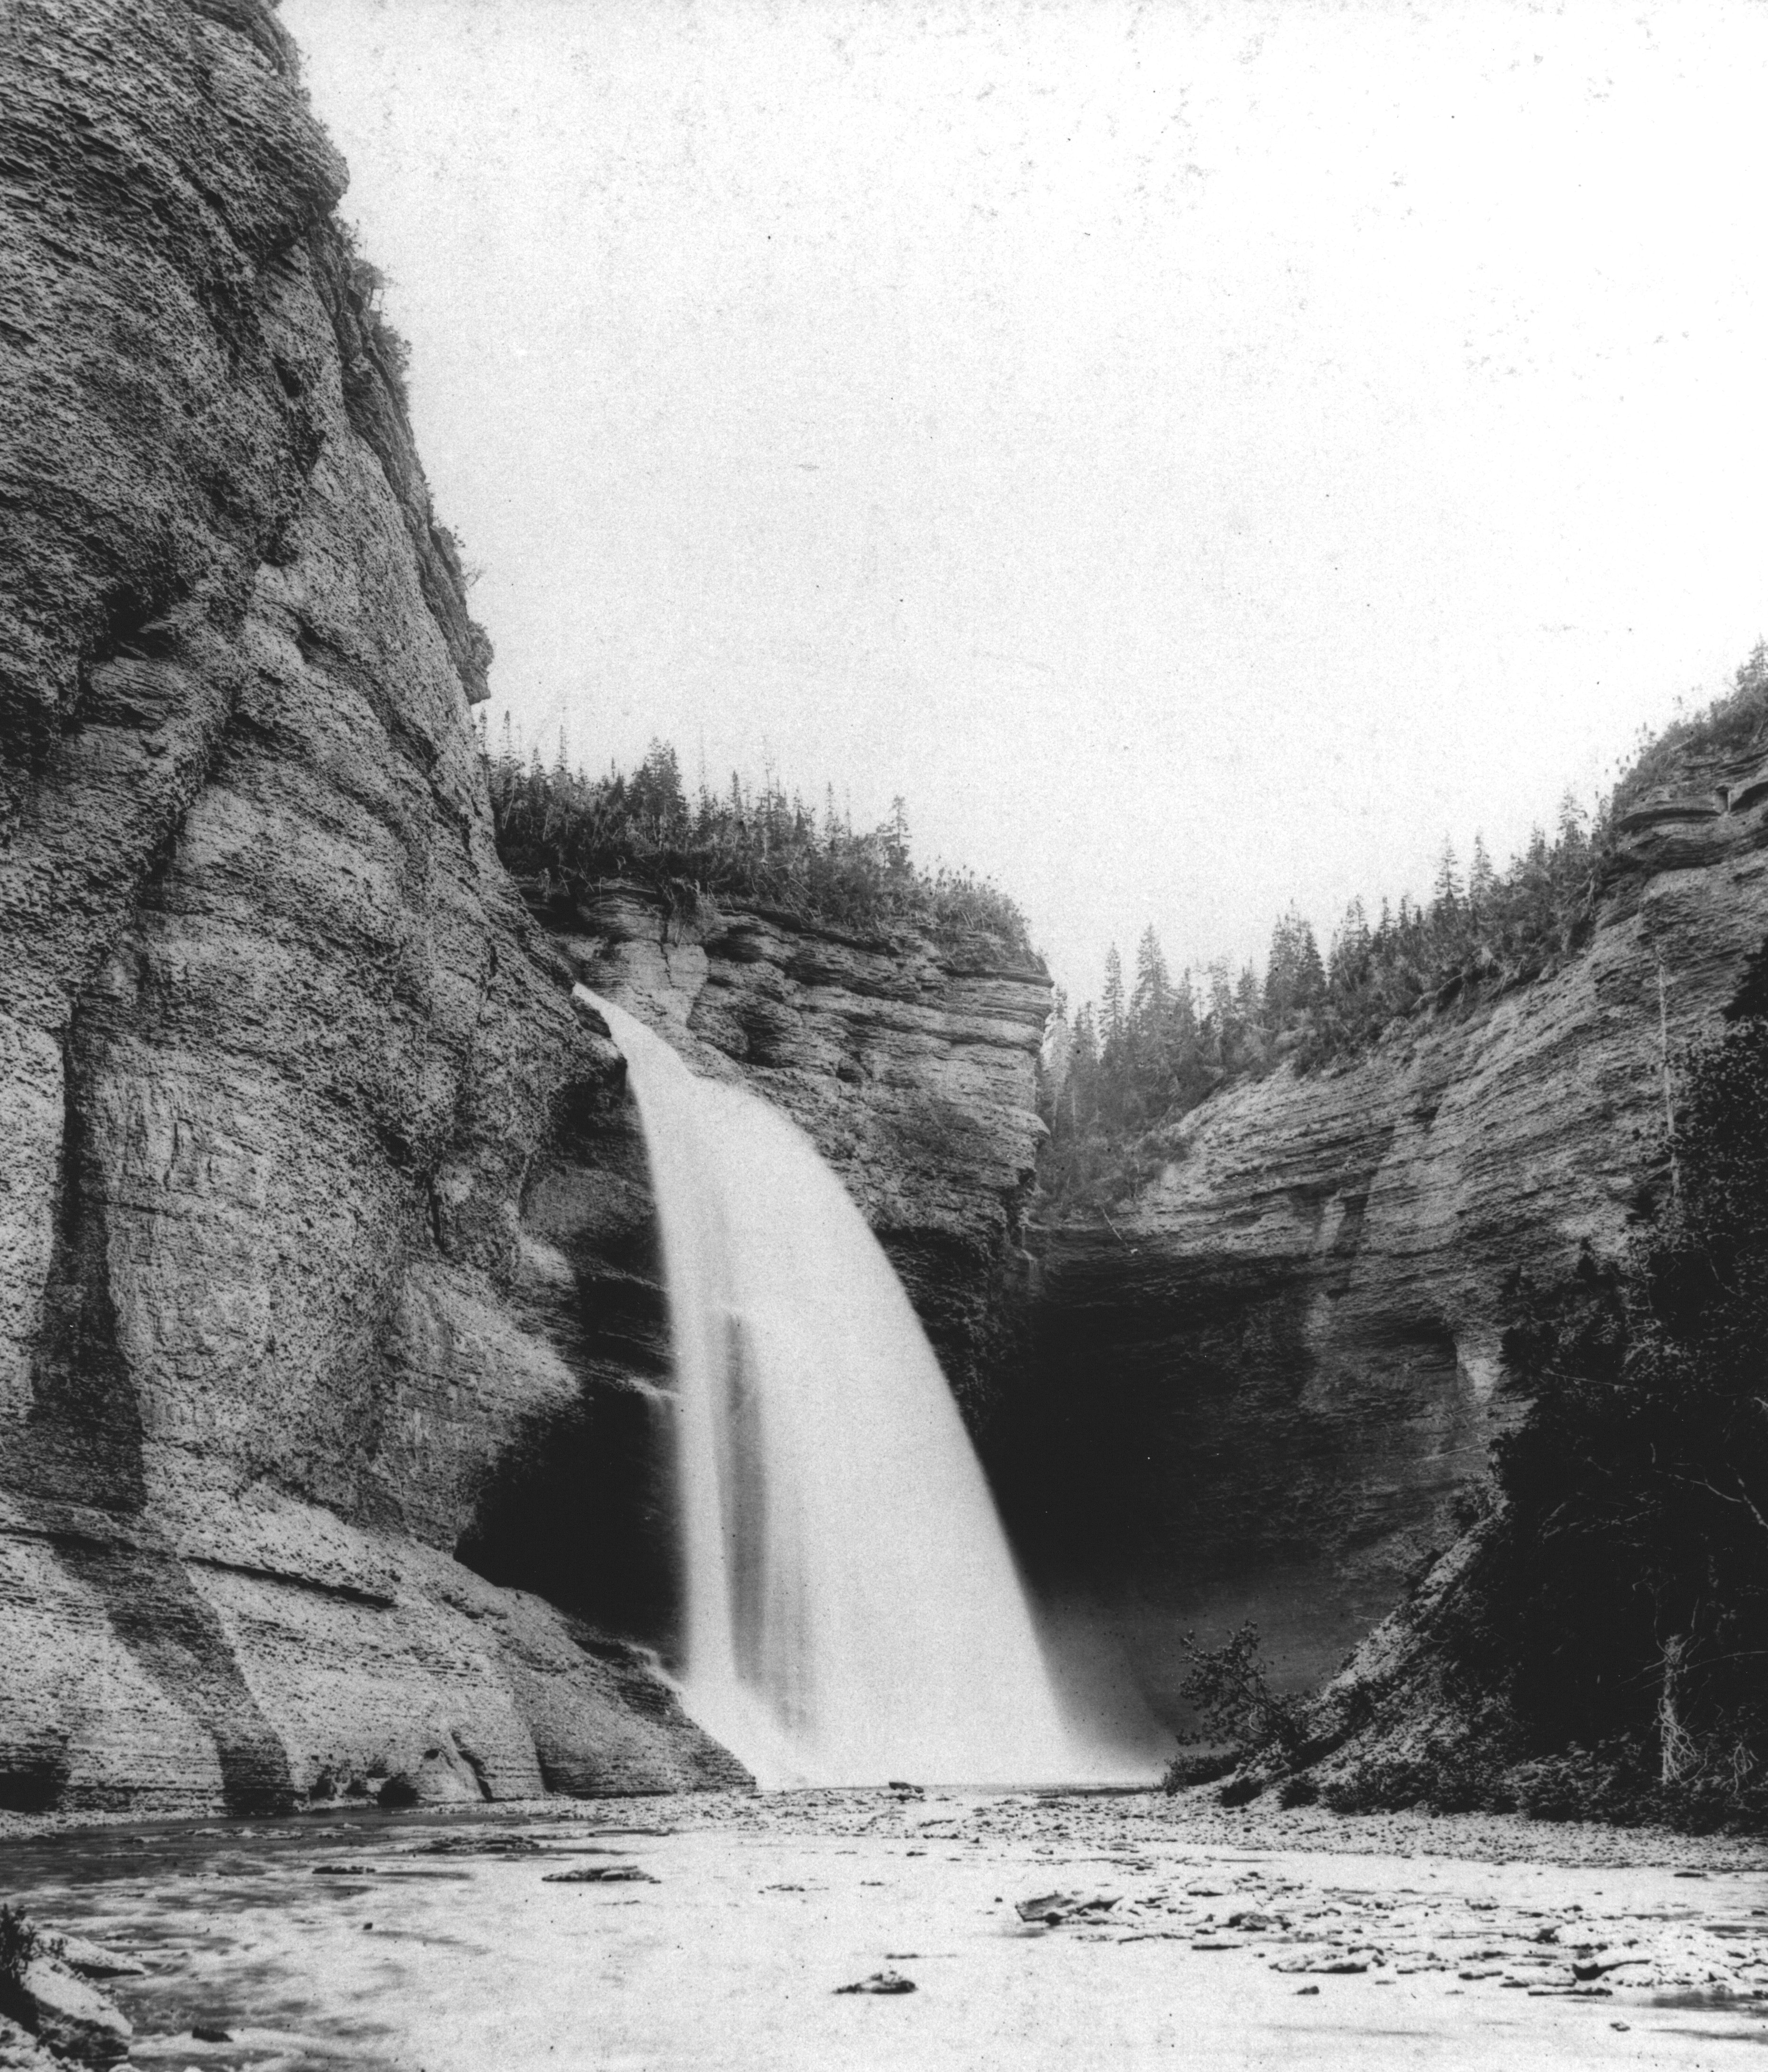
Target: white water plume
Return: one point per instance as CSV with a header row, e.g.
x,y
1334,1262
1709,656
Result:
x,y
853,1610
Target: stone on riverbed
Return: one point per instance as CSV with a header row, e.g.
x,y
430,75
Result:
x,y
21,2052
73,2017
600,1874
93,1960
1053,1908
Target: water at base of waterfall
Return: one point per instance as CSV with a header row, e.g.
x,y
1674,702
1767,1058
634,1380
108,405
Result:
x,y
853,1610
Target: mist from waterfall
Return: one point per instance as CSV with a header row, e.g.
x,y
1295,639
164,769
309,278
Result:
x,y
853,1611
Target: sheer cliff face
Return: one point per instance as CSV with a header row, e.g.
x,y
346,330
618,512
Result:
x,y
279,1063
912,1066
1259,1387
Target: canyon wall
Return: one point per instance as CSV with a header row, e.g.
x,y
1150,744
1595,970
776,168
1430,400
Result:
x,y
333,1413
280,1053
1260,1386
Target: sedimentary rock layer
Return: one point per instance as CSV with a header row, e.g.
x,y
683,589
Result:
x,y
278,1059
1261,1386
912,1065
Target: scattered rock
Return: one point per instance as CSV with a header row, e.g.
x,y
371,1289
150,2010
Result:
x,y
208,2032
72,2017
1053,1908
600,1874
479,1845
880,1982
1302,1990
21,2052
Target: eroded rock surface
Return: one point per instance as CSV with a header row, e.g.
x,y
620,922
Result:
x,y
912,1065
282,1059
1261,1385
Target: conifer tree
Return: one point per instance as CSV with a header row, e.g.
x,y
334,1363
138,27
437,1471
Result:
x,y
1111,1009
1482,879
1446,891
1152,1000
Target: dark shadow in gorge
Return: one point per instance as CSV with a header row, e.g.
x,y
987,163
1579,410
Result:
x,y
1179,1454
579,1506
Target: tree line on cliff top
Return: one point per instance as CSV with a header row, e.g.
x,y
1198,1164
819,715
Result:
x,y
758,845
1155,1044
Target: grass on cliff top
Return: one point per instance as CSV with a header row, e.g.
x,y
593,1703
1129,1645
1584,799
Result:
x,y
759,848
1127,1070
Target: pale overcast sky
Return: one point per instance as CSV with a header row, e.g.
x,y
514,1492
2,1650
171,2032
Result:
x,y
1200,454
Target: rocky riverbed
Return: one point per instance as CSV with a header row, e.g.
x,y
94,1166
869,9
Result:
x,y
1020,1929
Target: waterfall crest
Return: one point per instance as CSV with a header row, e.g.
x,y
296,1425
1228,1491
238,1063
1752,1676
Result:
x,y
853,1612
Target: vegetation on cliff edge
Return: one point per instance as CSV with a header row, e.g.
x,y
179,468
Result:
x,y
752,846
1124,1071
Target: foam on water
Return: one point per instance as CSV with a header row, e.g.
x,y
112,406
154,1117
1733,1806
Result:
x,y
854,1613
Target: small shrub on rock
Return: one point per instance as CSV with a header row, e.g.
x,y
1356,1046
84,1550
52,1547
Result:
x,y
1191,1767
1297,1791
1230,1686
1241,1790
1388,1785
1446,1776
1575,1786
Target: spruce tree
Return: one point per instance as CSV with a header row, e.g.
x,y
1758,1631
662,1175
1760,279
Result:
x,y
1446,892
1111,1011
1152,1000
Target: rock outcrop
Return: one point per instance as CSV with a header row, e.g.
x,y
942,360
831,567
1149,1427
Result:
x,y
1261,1387
281,1054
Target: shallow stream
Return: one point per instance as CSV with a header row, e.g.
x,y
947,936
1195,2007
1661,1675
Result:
x,y
1158,1934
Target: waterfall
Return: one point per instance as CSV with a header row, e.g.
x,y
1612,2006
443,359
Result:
x,y
853,1612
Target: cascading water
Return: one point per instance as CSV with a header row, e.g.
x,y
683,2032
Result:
x,y
853,1611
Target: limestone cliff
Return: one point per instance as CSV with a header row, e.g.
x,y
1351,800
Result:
x,y
279,1052
1259,1387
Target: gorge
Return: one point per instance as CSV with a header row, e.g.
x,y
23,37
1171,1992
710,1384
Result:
x,y
332,1320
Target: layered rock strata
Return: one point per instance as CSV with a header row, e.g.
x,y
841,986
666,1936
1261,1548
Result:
x,y
1261,1386
911,1064
281,1058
